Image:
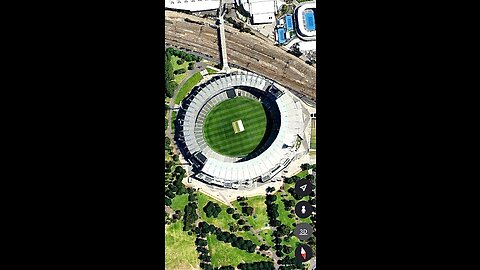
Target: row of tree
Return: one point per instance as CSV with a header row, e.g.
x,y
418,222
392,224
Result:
x,y
306,166
256,266
170,84
203,255
183,55
272,210
176,187
290,263
204,228
190,216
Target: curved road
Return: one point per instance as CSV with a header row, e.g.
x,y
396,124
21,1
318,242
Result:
x,y
252,52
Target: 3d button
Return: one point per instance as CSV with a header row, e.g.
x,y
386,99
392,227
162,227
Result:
x,y
303,187
303,209
303,253
303,231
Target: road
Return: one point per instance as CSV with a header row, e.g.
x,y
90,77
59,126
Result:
x,y
252,52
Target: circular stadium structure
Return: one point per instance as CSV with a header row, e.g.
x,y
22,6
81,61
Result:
x,y
240,128
305,21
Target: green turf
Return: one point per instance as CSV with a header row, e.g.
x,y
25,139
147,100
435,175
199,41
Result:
x,y
313,140
248,236
222,221
178,78
224,254
293,243
259,211
218,131
267,236
180,249
174,116
302,174
283,214
188,86
179,202
211,71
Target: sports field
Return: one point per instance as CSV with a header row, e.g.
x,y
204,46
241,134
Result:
x,y
220,135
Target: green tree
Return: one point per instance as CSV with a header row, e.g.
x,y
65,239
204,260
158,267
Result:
x,y
305,166
168,68
170,88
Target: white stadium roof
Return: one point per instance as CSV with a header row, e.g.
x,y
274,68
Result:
x,y
225,170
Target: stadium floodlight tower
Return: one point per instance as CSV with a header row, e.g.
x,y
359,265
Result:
x,y
241,128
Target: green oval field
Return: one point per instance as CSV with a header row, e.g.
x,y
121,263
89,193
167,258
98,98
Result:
x,y
221,125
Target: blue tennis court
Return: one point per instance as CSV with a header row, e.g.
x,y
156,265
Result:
x,y
281,35
309,20
289,22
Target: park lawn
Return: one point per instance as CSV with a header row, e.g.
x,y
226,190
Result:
x,y
174,116
188,86
248,236
223,254
267,236
167,156
180,249
222,221
293,243
259,211
283,214
211,71
179,202
178,78
313,140
302,174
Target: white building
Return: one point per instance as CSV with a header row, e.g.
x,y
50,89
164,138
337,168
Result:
x,y
192,5
261,11
307,46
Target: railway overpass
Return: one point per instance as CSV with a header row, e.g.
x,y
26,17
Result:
x,y
251,52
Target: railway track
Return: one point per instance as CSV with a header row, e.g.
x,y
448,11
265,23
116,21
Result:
x,y
243,49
